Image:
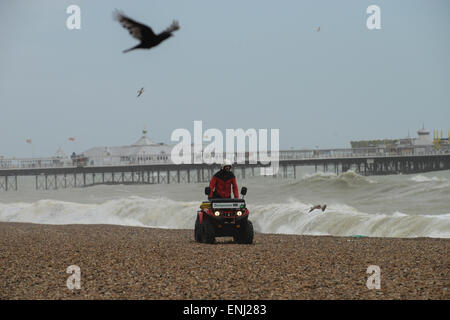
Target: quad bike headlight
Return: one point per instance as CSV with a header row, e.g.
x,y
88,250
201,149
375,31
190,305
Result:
x,y
239,213
217,213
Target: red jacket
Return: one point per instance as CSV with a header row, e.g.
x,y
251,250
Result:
x,y
221,184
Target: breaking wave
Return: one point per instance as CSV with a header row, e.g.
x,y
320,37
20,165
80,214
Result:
x,y
345,179
290,217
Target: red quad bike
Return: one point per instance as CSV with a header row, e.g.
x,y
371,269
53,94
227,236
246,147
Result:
x,y
221,217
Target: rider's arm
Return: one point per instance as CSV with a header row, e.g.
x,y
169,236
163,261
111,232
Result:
x,y
212,185
235,188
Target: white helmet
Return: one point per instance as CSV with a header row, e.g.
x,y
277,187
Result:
x,y
225,163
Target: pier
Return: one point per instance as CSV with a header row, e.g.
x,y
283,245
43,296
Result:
x,y
336,161
73,177
371,165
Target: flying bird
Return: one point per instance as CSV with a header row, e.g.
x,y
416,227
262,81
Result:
x,y
318,207
148,39
141,90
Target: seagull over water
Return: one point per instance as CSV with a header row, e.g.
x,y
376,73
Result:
x,y
148,39
141,90
318,207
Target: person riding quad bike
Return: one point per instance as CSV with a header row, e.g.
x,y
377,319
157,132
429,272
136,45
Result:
x,y
221,215
222,182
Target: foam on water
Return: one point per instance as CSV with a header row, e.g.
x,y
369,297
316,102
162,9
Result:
x,y
420,178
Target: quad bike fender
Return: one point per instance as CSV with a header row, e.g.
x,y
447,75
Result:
x,y
200,216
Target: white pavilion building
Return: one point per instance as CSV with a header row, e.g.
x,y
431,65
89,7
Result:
x,y
143,151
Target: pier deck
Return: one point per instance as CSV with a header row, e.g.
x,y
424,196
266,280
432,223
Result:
x,y
72,177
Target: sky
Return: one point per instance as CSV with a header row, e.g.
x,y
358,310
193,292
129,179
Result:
x,y
233,64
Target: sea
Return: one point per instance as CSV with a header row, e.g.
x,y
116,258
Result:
x,y
402,206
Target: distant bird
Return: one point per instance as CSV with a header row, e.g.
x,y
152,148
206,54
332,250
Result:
x,y
148,39
318,207
141,90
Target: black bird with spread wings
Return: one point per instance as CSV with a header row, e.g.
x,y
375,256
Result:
x,y
144,33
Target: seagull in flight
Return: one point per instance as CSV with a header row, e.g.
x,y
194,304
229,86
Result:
x,y
148,39
141,90
318,207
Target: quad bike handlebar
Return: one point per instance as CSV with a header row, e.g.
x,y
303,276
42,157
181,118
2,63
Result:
x,y
243,191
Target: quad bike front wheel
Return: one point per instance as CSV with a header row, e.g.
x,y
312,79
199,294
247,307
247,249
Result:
x,y
207,232
197,230
245,233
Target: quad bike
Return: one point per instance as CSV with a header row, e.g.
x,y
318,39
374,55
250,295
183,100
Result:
x,y
223,217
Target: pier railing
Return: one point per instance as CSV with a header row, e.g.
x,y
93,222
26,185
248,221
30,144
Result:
x,y
303,154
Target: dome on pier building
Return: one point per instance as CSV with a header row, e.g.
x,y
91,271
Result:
x,y
424,138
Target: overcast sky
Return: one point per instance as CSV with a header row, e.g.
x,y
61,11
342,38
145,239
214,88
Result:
x,y
233,64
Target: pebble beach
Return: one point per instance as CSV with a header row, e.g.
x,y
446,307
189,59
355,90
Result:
x,y
120,262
